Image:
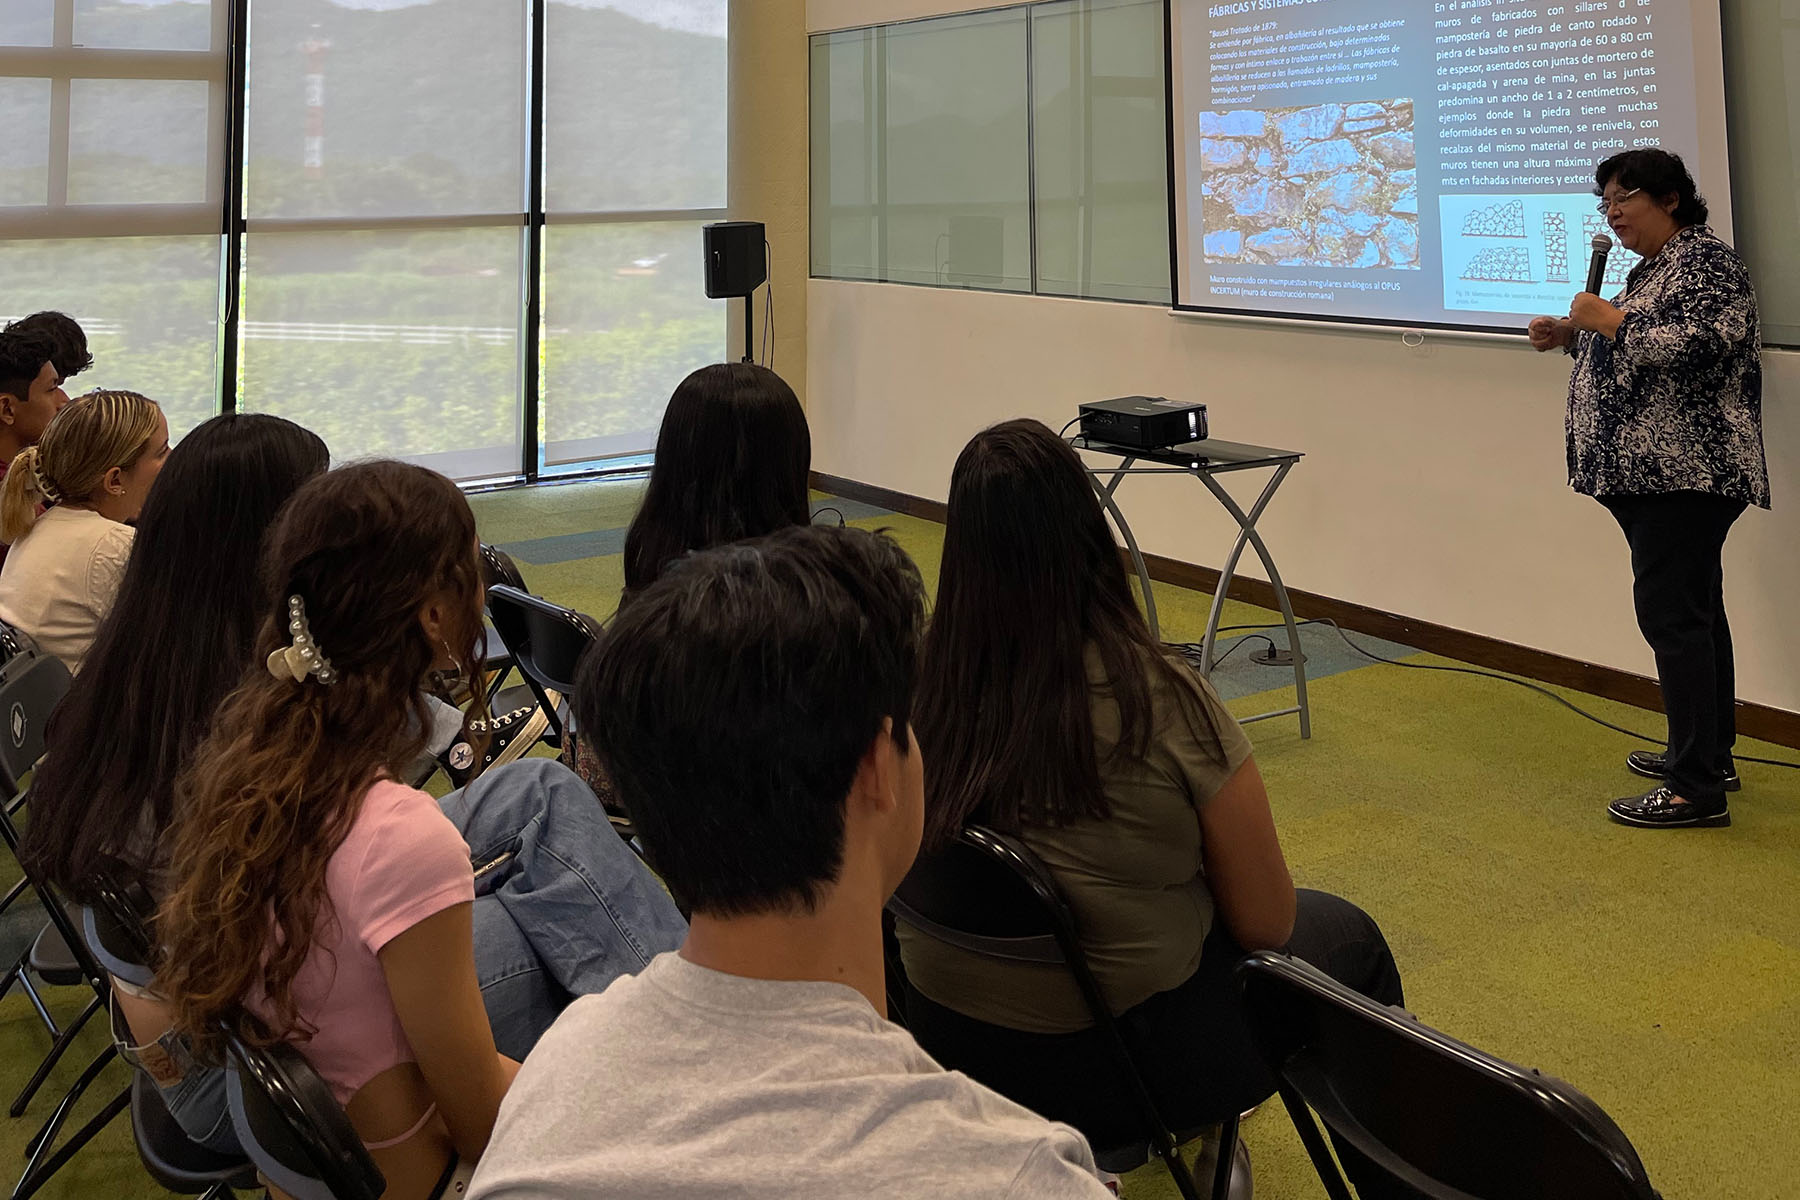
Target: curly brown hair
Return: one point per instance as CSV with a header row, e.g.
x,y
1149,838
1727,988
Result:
x,y
272,792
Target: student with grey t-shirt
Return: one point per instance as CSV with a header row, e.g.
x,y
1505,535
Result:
x,y
753,707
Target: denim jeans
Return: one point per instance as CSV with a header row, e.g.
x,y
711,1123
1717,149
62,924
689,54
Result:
x,y
565,909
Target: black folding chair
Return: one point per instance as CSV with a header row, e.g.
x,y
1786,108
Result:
x,y
31,685
990,895
293,1128
497,662
546,642
1435,1114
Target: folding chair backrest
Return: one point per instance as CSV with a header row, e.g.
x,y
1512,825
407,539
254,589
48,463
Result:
x,y
546,641
293,1128
979,894
117,928
499,568
1441,1116
31,685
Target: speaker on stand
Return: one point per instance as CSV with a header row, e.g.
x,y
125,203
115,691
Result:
x,y
737,264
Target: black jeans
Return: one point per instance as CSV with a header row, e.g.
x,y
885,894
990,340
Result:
x,y
1191,1041
1678,586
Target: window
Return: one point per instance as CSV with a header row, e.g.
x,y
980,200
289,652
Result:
x,y
1021,149
634,150
111,182
415,254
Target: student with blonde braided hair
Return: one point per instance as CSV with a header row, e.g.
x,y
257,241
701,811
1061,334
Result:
x,y
65,510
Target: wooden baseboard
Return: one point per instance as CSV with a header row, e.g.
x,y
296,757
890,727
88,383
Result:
x,y
1753,720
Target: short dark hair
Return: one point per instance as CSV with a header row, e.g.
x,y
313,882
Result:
x,y
733,699
1658,173
68,341
732,462
22,357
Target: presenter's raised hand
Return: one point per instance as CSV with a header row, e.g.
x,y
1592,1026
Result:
x,y
1595,315
1548,333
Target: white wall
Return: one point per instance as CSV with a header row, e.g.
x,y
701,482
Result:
x,y
1433,486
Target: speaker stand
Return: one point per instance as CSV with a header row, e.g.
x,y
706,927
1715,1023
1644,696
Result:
x,y
750,328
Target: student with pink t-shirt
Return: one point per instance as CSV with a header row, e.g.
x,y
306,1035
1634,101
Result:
x,y
321,901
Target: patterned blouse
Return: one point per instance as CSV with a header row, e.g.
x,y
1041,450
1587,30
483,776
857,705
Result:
x,y
1674,403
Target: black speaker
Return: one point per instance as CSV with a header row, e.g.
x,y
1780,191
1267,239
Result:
x,y
736,258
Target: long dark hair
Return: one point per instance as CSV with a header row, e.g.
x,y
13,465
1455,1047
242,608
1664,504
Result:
x,y
272,792
176,642
1031,578
732,461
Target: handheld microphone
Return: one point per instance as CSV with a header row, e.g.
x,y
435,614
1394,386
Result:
x,y
1597,265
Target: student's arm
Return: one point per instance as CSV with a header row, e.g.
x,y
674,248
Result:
x,y
1245,871
430,971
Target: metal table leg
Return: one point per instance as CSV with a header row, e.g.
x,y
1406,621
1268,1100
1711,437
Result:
x,y
1247,535
1105,492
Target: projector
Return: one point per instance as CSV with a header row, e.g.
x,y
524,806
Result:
x,y
1143,422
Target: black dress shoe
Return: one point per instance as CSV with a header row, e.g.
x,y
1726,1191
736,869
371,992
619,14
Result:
x,y
1657,809
1656,766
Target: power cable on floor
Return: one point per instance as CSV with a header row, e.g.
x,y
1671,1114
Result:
x,y
1524,683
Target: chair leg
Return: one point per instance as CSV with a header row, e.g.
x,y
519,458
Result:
x,y
1316,1148
48,1131
1228,1138
63,1039
1170,1153
39,1170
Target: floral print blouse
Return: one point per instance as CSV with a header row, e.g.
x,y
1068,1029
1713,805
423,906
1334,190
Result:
x,y
1674,403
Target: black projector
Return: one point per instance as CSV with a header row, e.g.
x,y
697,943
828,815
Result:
x,y
1143,422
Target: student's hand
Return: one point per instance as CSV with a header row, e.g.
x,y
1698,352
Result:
x,y
1548,333
1589,312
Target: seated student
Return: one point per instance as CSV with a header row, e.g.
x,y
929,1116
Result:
x,y
92,471
30,394
732,460
753,704
1046,709
315,898
176,642
68,341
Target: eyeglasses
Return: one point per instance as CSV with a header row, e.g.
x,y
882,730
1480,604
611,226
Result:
x,y
1606,206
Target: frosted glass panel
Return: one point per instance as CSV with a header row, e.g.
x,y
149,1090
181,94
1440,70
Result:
x,y
149,307
846,148
402,344
25,151
626,319
144,24
27,22
1762,87
1101,145
382,109
929,182
138,141
958,187
635,105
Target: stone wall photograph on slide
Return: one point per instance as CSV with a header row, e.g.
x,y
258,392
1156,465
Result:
x,y
1327,185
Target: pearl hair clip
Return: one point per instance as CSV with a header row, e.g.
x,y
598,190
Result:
x,y
303,658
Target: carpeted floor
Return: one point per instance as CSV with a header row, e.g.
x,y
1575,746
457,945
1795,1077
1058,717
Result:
x,y
1657,971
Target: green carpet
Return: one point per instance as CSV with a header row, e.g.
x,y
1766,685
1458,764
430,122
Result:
x,y
1658,972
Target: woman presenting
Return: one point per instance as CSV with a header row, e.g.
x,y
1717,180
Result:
x,y
1665,430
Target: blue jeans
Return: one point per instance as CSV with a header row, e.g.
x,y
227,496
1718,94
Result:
x,y
567,909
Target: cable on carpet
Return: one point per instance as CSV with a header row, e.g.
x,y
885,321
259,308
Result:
x,y
1254,631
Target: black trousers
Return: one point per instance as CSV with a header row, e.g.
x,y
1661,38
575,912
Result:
x,y
1678,587
1191,1041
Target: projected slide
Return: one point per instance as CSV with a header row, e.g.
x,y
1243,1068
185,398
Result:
x,y
1424,161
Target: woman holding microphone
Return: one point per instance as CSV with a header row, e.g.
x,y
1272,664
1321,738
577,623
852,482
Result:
x,y
1665,430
